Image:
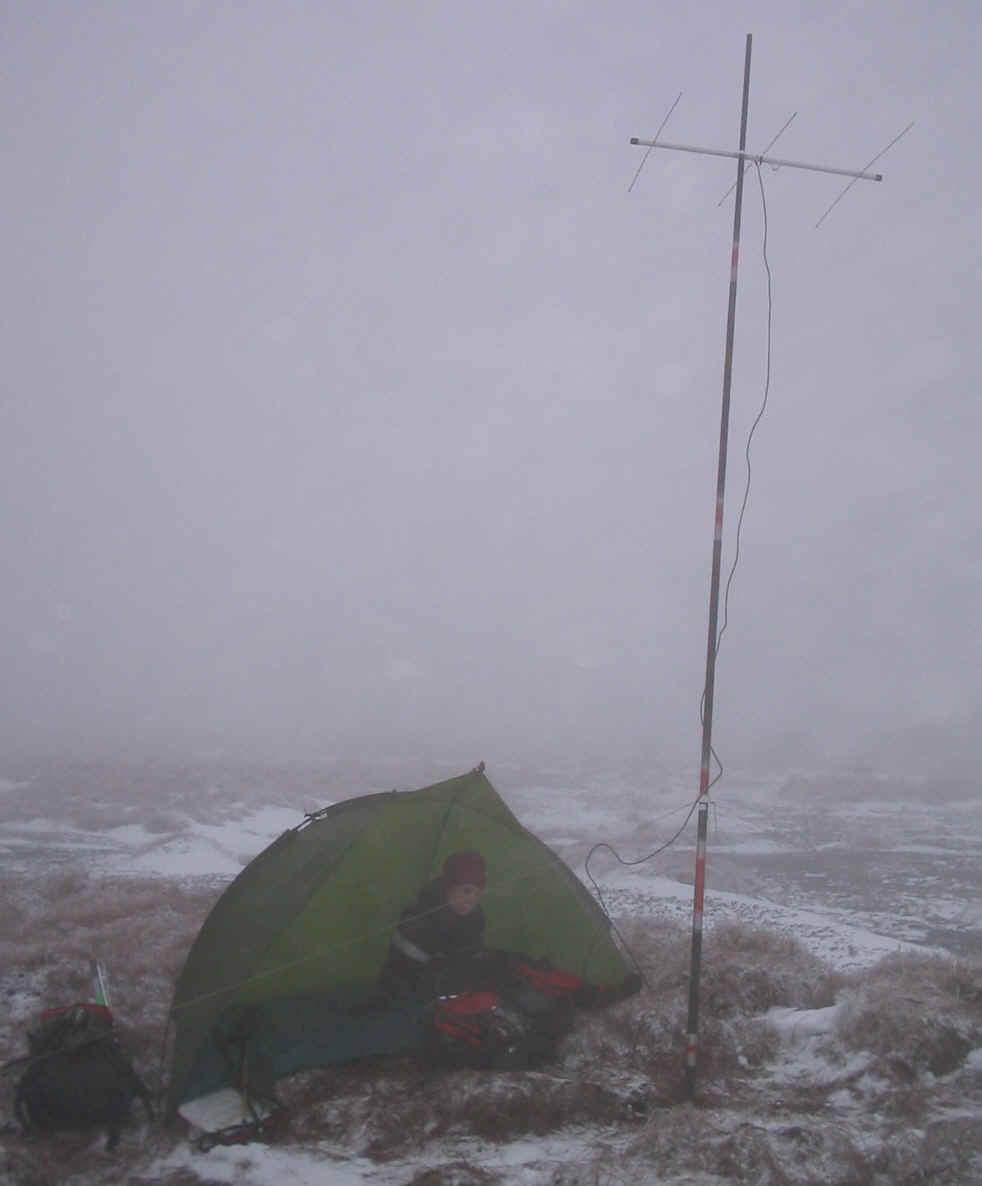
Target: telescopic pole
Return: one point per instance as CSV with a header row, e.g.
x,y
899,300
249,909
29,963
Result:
x,y
743,158
692,1028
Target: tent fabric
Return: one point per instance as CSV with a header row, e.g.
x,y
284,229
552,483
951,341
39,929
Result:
x,y
302,932
284,1035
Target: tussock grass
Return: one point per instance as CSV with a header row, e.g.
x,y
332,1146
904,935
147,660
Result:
x,y
141,929
946,1152
393,1108
915,1014
749,970
896,1101
744,973
696,1143
455,1173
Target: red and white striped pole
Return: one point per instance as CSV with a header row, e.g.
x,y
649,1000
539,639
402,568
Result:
x,y
743,158
692,1027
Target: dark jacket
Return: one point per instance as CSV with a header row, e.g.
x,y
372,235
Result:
x,y
431,945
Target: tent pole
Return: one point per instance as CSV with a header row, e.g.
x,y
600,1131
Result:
x,y
692,1027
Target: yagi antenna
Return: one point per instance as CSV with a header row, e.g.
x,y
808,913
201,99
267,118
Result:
x,y
661,128
759,159
770,145
712,645
882,152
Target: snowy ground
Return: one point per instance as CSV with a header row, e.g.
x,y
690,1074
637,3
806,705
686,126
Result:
x,y
853,866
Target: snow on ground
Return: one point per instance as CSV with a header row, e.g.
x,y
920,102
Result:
x,y
840,944
203,850
190,849
851,880
805,1035
195,849
535,1161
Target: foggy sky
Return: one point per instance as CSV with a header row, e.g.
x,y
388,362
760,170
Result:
x,y
350,400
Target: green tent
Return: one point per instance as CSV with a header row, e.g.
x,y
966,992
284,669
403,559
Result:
x,y
296,941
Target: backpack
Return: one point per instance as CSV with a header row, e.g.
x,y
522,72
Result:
x,y
511,1025
478,1029
77,1074
513,1015
541,990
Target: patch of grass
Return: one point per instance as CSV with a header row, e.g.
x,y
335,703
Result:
x,y
914,1013
140,929
455,1173
906,1116
393,1108
730,1147
946,1151
748,970
745,972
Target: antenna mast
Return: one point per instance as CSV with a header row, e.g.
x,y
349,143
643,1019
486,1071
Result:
x,y
712,645
702,825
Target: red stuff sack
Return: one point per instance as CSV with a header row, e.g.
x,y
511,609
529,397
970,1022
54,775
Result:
x,y
477,1029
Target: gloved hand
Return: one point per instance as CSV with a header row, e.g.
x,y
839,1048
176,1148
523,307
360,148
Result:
x,y
595,996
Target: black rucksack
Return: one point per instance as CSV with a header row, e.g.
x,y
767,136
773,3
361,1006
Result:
x,y
77,1074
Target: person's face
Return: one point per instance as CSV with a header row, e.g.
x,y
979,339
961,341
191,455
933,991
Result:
x,y
463,898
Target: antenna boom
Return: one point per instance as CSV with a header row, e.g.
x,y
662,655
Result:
x,y
777,162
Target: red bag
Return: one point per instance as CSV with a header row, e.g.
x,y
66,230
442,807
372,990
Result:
x,y
551,981
477,1029
466,1017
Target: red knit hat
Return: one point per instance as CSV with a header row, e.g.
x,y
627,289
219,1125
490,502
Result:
x,y
464,868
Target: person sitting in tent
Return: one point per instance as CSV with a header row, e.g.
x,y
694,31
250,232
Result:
x,y
437,937
486,1008
302,990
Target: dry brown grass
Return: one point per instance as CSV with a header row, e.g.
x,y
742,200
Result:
x,y
455,1173
50,926
946,1151
393,1108
141,930
621,1067
735,1148
745,972
915,1014
748,970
